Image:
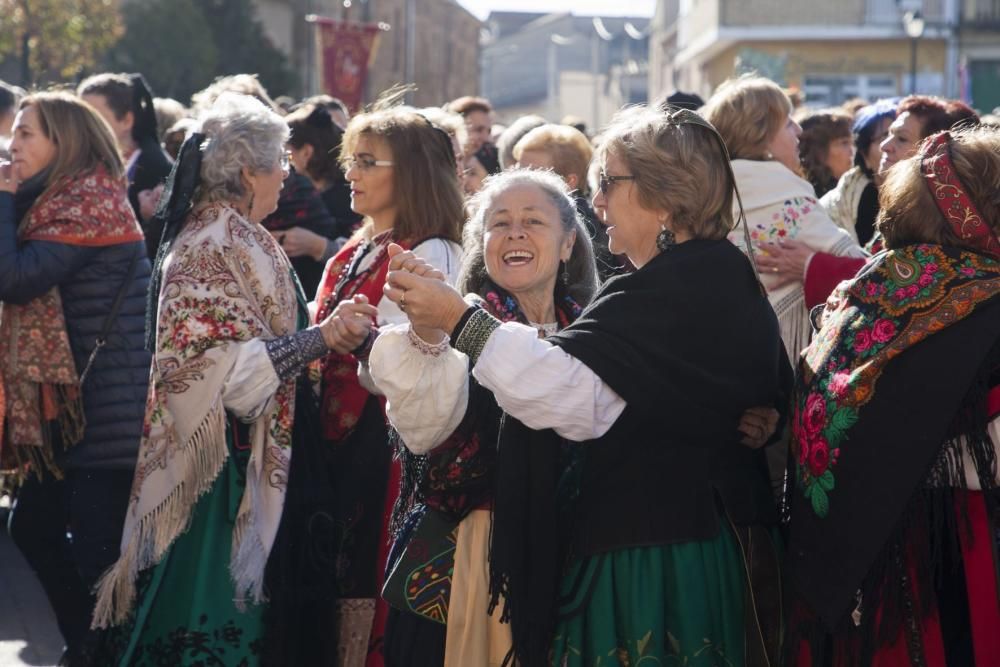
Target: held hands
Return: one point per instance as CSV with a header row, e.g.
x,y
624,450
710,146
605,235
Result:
x,y
433,306
8,182
349,324
757,426
785,261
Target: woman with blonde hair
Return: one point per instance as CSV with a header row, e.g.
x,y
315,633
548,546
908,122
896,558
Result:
x,y
753,115
892,554
404,182
640,381
73,278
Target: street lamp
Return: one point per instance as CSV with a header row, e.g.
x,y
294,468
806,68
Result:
x,y
913,25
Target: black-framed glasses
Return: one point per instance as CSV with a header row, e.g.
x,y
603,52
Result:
x,y
604,182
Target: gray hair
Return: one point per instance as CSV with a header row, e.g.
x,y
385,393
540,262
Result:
x,y
581,271
239,132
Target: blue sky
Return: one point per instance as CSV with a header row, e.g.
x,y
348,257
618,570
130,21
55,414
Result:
x,y
482,8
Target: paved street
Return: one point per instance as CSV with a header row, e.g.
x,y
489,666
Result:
x,y
28,633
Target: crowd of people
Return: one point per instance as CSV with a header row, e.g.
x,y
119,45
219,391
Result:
x,y
286,383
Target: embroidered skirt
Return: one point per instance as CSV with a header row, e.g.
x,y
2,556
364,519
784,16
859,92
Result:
x,y
682,604
185,614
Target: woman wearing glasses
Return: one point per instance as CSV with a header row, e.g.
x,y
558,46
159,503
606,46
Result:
x,y
404,182
667,555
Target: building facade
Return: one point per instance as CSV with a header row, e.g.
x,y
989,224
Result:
x,y
832,51
445,50
979,47
556,65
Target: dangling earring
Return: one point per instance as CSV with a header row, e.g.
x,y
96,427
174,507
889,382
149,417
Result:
x,y
665,240
250,209
564,274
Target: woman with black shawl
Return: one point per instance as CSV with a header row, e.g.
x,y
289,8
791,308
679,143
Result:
x,y
892,557
528,259
667,552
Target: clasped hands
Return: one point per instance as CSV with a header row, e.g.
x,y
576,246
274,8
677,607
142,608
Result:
x,y
433,306
349,325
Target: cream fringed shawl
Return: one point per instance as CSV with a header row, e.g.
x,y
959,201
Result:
x,y
225,282
781,206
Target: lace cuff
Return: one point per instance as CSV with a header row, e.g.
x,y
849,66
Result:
x,y
426,348
290,354
472,337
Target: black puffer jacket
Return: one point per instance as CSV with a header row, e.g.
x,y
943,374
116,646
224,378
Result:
x,y
89,278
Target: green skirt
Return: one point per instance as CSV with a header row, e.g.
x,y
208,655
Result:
x,y
186,614
678,604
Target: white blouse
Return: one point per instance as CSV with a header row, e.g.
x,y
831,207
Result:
x,y
446,257
427,386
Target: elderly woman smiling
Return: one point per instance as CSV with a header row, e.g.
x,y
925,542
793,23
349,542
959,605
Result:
x,y
528,259
651,380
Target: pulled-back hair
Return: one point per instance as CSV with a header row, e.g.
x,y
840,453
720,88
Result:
x,y
82,137
116,89
581,281
748,112
239,132
909,214
679,168
427,194
819,130
312,124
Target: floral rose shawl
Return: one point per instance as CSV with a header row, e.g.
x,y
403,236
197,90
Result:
x,y
901,298
226,281
36,362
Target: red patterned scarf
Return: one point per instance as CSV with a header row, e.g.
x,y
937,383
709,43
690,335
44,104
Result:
x,y
343,397
951,197
39,373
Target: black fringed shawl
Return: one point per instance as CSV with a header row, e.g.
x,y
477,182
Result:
x,y
690,342
885,382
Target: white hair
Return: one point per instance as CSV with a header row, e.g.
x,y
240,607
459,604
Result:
x,y
239,132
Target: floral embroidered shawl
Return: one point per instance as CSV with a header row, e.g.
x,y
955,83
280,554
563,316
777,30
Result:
x,y
38,369
226,281
900,299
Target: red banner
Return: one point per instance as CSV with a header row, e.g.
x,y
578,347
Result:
x,y
346,51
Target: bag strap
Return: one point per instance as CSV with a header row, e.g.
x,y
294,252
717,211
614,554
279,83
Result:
x,y
116,305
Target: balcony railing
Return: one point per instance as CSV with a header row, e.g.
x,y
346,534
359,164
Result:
x,y
982,14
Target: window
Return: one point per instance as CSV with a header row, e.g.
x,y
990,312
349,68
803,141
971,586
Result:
x,y
832,89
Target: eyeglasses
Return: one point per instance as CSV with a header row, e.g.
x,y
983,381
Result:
x,y
285,161
364,163
604,182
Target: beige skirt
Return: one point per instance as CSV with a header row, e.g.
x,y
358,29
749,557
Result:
x,y
475,638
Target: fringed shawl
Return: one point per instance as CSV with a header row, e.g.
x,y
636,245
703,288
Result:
x,y
878,392
225,281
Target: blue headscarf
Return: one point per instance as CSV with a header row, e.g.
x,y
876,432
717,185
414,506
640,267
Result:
x,y
866,120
